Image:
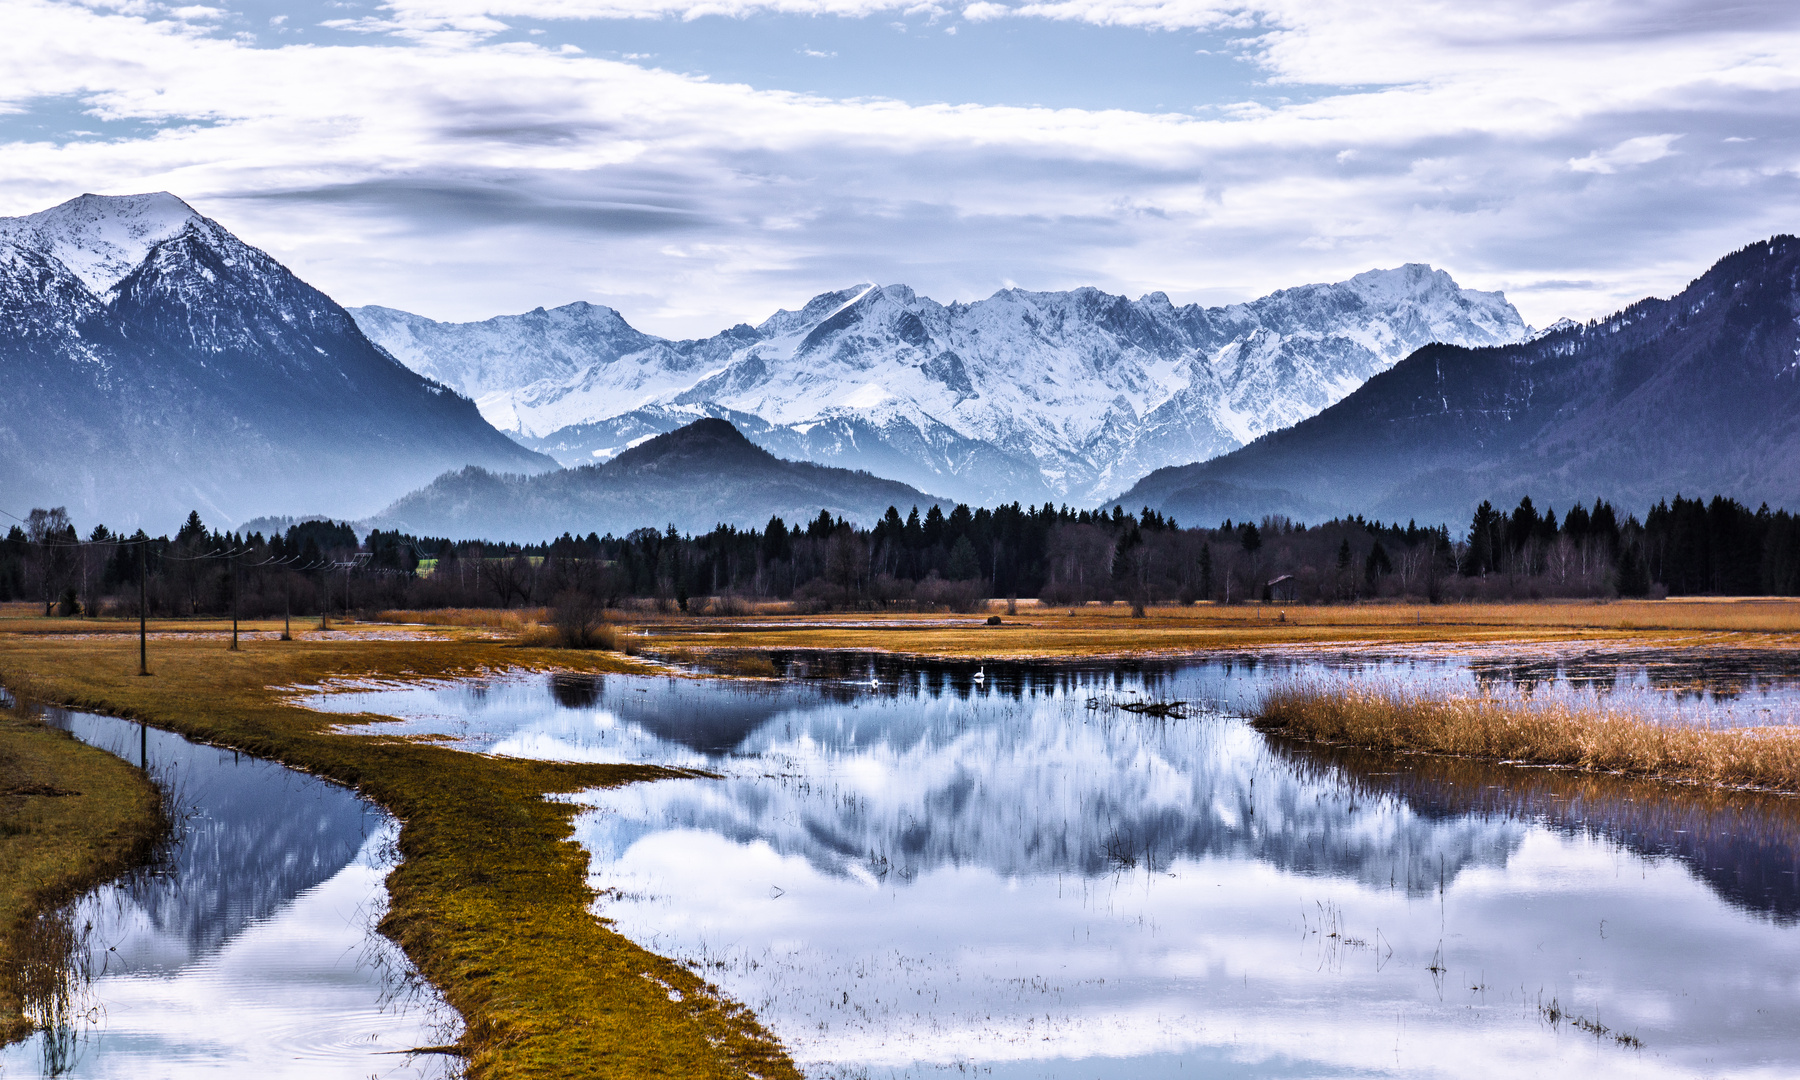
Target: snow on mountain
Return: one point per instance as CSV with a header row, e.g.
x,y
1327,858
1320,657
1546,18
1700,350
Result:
x,y
1025,395
155,363
101,238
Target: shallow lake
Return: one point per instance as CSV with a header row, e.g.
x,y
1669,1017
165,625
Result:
x,y
249,949
918,869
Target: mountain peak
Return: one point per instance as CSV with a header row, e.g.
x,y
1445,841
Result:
x,y
102,238
710,440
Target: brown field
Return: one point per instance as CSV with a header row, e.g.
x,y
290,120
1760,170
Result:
x,y
1394,719
515,620
1098,631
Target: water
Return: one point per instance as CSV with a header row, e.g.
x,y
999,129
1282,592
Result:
x,y
250,948
909,871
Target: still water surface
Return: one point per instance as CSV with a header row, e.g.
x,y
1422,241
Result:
x,y
910,870
250,949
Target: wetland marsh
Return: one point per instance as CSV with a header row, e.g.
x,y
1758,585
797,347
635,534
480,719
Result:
x,y
247,945
913,868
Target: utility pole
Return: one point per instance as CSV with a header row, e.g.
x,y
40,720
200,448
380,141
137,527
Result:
x,y
287,605
143,608
234,602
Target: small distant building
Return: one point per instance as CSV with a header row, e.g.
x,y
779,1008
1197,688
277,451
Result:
x,y
1281,590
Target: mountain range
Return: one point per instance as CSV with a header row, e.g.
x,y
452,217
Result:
x,y
693,478
1698,394
154,363
1029,396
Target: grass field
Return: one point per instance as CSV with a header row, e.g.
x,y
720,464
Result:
x,y
1097,631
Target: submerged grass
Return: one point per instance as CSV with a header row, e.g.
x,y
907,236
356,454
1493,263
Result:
x,y
71,816
1399,719
490,900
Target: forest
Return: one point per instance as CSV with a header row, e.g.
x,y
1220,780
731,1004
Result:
x,y
954,561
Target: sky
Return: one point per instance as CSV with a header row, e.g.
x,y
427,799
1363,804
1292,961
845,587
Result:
x,y
698,163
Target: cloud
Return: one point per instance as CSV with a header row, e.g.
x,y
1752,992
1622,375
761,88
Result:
x,y
1639,151
437,166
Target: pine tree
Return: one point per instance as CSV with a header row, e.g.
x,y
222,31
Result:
x,y
1632,578
1376,566
964,565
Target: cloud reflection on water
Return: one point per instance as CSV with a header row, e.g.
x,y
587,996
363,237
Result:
x,y
934,874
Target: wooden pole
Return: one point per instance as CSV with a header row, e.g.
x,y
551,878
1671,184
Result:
x,y
143,608
234,603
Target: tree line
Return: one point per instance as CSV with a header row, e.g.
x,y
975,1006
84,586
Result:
x,y
957,561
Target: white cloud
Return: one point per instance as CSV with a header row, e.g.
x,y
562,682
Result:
x,y
463,177
1639,151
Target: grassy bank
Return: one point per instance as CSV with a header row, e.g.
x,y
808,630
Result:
x,y
71,817
1394,719
491,900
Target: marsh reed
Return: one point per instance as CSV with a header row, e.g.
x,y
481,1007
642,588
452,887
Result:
x,y
1399,719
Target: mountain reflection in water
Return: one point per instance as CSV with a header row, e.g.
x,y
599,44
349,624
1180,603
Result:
x,y
249,946
904,870
1744,845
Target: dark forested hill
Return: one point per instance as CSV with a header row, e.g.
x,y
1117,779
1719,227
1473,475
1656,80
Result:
x,y
694,478
1699,393
154,363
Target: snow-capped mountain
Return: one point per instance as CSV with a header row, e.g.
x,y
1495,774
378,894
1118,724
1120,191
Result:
x,y
1026,395
155,363
1696,394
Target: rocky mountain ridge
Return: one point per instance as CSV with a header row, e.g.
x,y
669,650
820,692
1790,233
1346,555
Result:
x,y
1030,396
155,364
1698,394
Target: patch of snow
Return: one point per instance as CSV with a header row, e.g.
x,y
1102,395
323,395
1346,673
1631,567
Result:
x,y
102,238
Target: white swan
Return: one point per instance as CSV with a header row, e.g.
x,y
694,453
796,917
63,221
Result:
x,y
981,674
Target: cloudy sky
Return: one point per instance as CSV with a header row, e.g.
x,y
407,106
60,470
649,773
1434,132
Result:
x,y
697,163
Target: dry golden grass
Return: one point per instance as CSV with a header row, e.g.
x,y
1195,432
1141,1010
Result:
x,y
514,620
1092,630
491,899
1098,631
1397,719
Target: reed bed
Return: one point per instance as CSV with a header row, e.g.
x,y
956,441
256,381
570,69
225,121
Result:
x,y
508,619
1398,719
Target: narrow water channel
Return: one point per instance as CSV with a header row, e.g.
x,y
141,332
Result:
x,y
916,870
249,949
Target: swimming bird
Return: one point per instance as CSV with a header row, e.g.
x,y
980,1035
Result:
x,y
981,674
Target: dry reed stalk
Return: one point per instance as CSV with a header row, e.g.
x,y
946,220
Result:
x,y
1397,719
515,620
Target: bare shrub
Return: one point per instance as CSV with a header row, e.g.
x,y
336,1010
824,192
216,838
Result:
x,y
959,596
580,621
